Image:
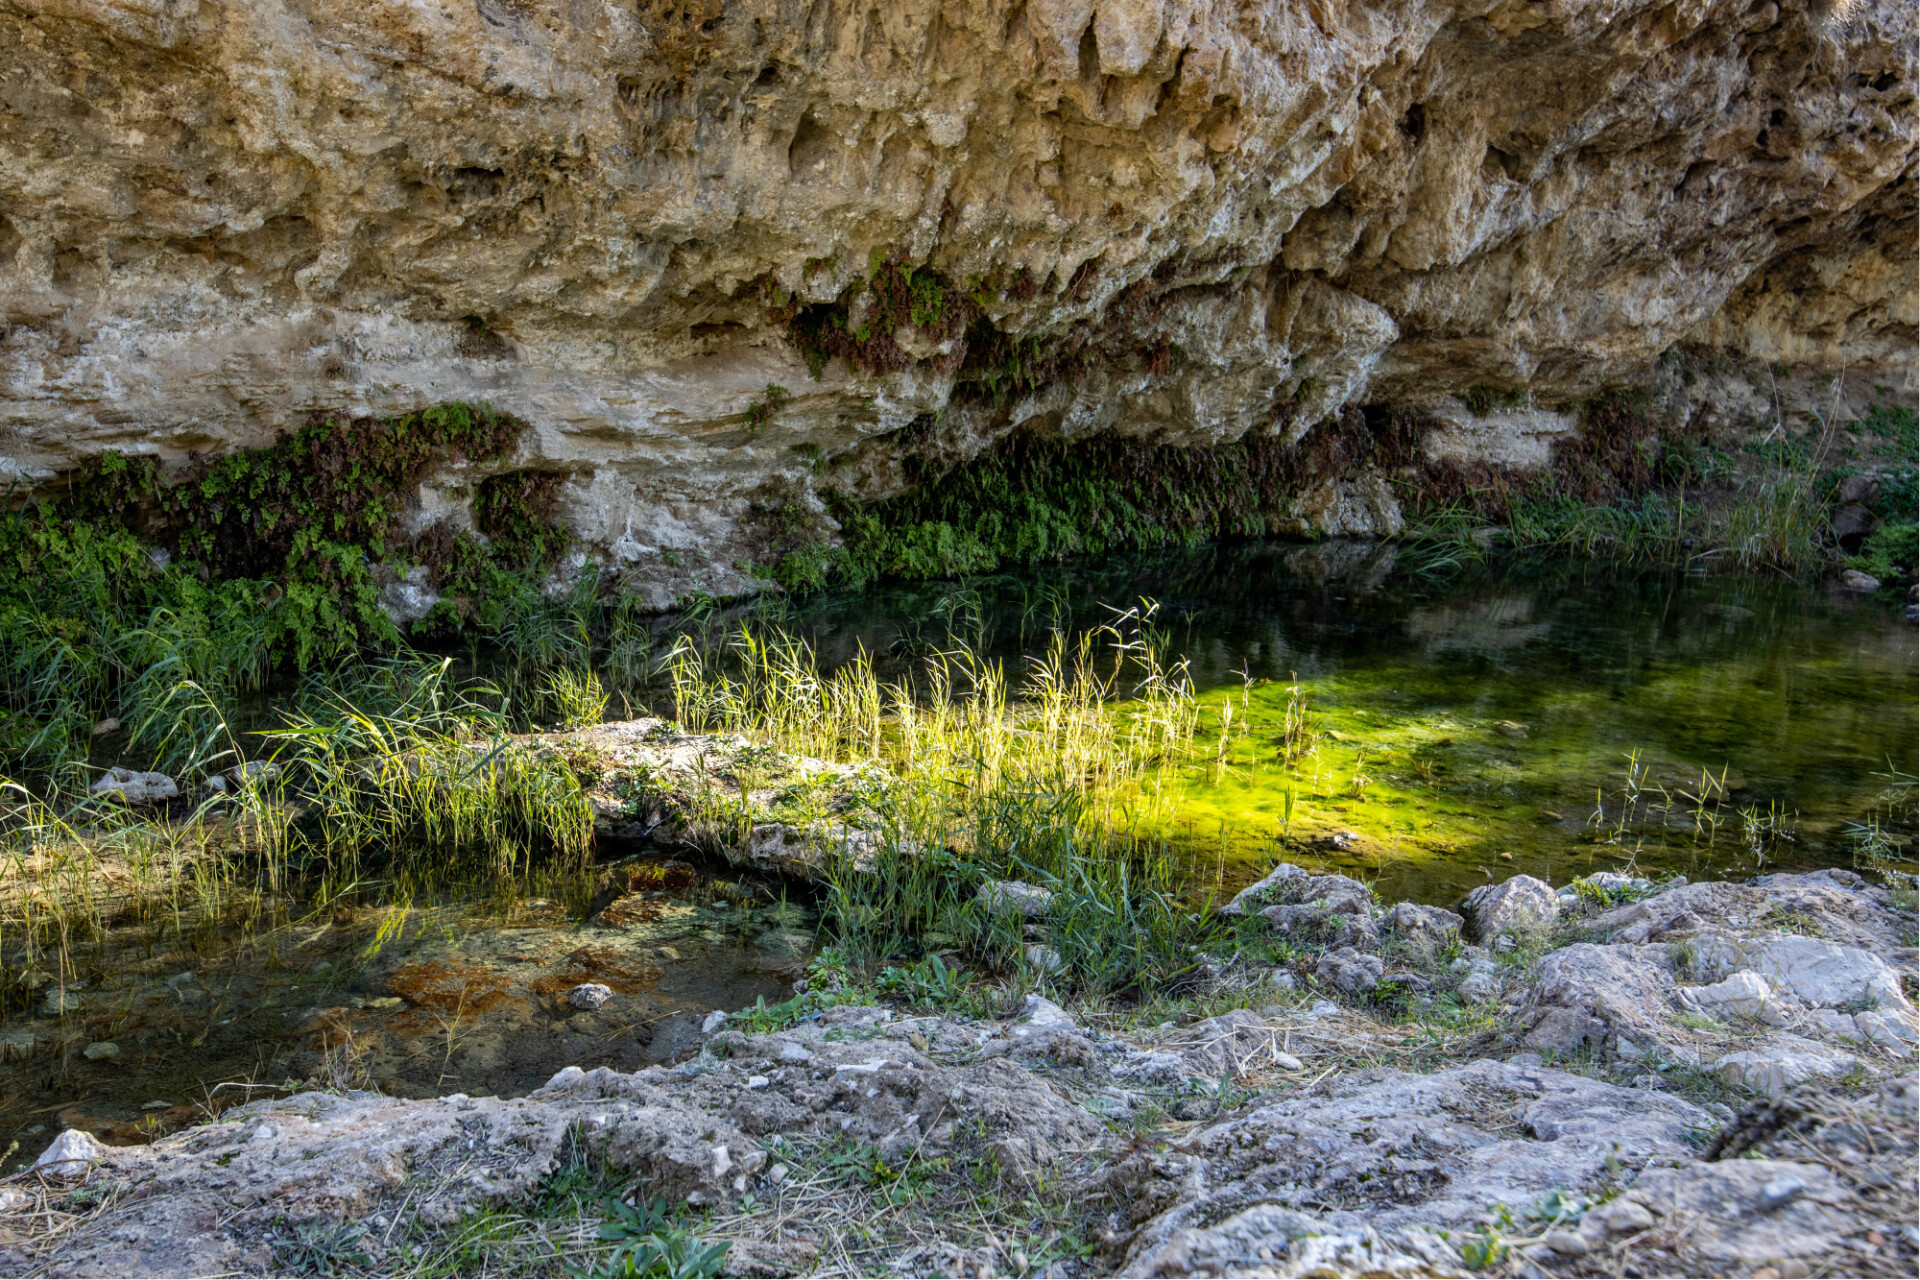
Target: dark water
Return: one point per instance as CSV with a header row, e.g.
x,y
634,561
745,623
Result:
x,y
1560,714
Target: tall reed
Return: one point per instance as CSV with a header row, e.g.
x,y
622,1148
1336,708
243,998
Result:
x,y
1051,778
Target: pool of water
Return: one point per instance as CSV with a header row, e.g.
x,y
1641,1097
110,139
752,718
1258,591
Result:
x,y
1545,718
414,998
1540,717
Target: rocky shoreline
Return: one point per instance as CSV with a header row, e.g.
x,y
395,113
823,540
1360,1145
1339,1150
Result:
x,y
1705,1078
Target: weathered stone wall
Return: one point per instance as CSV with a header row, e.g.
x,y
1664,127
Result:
x,y
222,220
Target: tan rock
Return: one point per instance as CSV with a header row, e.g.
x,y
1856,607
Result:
x,y
223,220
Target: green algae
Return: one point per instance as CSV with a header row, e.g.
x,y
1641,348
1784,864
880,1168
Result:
x,y
1551,718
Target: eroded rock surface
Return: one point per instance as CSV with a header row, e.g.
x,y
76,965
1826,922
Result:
x,y
1246,1143
226,219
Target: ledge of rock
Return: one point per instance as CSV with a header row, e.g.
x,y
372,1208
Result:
x,y
226,220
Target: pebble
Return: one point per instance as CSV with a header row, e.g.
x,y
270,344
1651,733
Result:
x,y
777,1174
157,1104
1781,1192
1324,1009
59,1003
757,1082
791,1052
100,1049
713,1022
1566,1243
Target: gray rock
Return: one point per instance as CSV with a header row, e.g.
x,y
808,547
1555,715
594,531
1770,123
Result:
x,y
1729,1228
1891,1029
1431,925
1041,1012
1745,993
1781,1192
1017,897
1856,580
1044,959
1482,981
589,996
60,1001
1612,986
1781,1061
1352,972
73,1153
135,788
1514,907
1397,1152
1269,889
1824,973
100,1049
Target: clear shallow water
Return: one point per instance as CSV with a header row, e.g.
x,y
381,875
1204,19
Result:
x,y
413,998
1496,715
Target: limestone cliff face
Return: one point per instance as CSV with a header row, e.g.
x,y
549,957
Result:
x,y
223,219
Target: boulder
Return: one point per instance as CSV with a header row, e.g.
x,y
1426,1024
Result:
x,y
589,996
805,854
1384,1152
74,1152
1317,925
1423,930
1614,986
1856,580
1480,980
1891,1029
1268,889
1733,1217
1514,907
135,788
1355,973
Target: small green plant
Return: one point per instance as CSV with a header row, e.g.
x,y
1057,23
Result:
x,y
1483,1250
760,411
1482,400
649,1245
930,982
1890,552
322,1249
